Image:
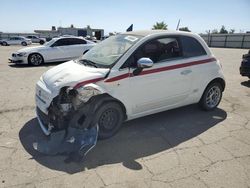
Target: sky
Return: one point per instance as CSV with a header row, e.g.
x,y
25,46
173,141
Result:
x,y
117,15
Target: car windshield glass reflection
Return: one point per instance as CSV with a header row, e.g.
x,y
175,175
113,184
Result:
x,y
52,41
110,50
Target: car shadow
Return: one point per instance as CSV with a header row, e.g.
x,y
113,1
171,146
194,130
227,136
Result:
x,y
137,138
32,66
246,83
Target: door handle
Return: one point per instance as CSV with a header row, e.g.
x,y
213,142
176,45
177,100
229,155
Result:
x,y
186,72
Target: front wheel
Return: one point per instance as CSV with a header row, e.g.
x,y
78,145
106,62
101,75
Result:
x,y
211,96
35,59
4,43
109,117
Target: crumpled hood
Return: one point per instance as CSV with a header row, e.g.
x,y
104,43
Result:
x,y
70,74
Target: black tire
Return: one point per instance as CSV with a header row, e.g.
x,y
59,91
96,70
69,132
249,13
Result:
x,y
109,118
211,97
24,43
4,43
35,59
41,42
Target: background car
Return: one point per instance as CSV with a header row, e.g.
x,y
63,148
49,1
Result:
x,y
16,40
57,49
245,65
36,39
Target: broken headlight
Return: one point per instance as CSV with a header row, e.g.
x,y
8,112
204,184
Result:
x,y
83,94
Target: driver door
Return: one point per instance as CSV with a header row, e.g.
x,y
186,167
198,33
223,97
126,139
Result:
x,y
166,83
57,50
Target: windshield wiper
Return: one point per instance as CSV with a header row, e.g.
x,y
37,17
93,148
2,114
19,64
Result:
x,y
88,62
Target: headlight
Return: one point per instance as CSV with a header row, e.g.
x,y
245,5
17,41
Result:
x,y
21,54
85,93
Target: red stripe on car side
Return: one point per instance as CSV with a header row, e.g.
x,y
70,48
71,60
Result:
x,y
87,82
172,67
120,77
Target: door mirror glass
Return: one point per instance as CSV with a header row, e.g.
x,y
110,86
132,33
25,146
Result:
x,y
144,62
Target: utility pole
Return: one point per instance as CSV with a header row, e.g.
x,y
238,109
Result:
x,y
177,28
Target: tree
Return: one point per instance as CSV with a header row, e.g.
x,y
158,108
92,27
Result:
x,y
223,30
184,29
160,25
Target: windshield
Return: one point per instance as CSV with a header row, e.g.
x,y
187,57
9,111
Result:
x,y
50,42
107,52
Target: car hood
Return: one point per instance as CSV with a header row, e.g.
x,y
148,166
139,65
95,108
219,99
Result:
x,y
70,74
32,49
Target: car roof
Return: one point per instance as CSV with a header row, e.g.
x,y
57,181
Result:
x,y
145,33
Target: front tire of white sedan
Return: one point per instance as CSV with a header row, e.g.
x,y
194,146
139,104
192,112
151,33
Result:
x,y
211,96
35,59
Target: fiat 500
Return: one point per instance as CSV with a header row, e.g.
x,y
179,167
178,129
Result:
x,y
127,76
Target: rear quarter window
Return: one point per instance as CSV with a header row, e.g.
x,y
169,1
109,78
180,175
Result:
x,y
191,47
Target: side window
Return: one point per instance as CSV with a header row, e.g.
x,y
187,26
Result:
x,y
61,42
158,50
80,41
191,47
75,41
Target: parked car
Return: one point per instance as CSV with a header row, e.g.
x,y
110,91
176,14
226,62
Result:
x,y
16,40
57,49
36,39
245,65
127,76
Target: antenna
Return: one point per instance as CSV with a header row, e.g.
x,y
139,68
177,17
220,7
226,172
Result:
x,y
177,28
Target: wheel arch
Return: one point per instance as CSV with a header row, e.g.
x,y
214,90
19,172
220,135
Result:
x,y
105,98
219,80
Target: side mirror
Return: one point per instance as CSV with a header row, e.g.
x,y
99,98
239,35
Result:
x,y
143,63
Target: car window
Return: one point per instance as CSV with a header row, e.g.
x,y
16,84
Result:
x,y
61,42
75,41
158,50
191,47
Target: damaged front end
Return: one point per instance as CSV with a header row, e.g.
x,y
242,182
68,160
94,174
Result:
x,y
70,122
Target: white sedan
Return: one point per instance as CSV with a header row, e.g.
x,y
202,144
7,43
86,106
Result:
x,y
127,76
17,40
56,50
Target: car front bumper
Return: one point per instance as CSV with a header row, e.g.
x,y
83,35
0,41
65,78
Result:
x,y
18,59
43,99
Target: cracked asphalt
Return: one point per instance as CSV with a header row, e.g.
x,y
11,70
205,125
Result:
x,y
185,147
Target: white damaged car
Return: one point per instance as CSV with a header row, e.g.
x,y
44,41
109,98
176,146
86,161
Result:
x,y
56,50
127,76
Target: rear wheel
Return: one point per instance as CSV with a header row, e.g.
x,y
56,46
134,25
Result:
x,y
109,118
35,59
4,43
41,42
24,43
211,97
